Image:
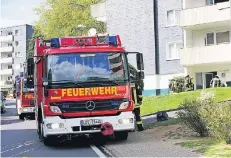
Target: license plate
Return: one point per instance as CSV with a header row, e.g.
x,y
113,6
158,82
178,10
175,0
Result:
x,y
91,122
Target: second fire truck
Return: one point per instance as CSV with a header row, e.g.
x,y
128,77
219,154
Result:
x,y
25,92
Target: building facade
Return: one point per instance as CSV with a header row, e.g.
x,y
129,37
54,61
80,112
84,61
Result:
x,y
134,21
207,34
14,42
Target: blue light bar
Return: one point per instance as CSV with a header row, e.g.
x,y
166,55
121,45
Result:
x,y
55,43
112,40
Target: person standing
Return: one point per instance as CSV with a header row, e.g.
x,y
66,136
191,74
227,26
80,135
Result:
x,y
215,82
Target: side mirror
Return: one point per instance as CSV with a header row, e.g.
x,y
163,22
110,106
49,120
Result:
x,y
141,75
45,82
140,62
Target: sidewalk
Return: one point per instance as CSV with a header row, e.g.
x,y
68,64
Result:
x,y
149,143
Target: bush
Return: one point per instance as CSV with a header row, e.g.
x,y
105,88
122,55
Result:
x,y
190,116
218,119
179,84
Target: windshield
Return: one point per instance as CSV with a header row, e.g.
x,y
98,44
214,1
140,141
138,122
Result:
x,y
25,89
82,67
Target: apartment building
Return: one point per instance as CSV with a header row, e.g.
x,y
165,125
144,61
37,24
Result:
x,y
207,34
14,43
134,21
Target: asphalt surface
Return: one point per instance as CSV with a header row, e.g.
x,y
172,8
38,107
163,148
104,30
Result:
x,y
20,139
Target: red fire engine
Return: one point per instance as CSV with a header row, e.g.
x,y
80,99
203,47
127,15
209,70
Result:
x,y
25,92
83,86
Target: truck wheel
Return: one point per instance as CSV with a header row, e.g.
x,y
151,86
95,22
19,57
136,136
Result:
x,y
49,141
121,135
21,117
98,139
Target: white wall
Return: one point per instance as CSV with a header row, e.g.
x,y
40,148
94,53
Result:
x,y
194,3
225,68
158,81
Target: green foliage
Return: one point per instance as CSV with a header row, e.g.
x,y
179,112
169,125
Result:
x,y
62,18
190,116
179,84
30,49
218,119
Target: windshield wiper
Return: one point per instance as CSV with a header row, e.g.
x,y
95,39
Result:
x,y
66,82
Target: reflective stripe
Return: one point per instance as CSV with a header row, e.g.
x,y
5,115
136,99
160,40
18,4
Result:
x,y
135,96
139,122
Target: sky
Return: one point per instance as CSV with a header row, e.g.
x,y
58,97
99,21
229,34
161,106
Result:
x,y
18,12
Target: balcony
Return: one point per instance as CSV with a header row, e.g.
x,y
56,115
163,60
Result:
x,y
6,49
3,84
206,55
8,38
6,60
206,16
6,72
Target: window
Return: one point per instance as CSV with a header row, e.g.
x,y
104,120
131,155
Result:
x,y
173,51
222,37
9,44
217,38
9,78
9,55
212,2
210,38
16,32
18,54
9,33
172,17
9,66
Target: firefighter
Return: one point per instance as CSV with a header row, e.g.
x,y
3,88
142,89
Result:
x,y
215,82
137,97
188,83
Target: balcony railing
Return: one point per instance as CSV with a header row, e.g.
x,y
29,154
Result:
x,y
205,15
6,49
6,72
7,38
206,55
6,60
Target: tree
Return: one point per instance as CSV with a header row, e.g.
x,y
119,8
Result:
x,y
30,49
62,18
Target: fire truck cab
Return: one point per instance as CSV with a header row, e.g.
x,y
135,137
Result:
x,y
81,83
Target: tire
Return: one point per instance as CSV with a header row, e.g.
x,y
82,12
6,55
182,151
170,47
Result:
x,y
50,141
21,117
98,139
121,135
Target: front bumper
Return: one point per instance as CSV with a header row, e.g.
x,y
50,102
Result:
x,y
122,122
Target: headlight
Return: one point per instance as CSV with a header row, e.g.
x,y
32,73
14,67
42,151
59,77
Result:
x,y
124,105
55,109
125,121
55,125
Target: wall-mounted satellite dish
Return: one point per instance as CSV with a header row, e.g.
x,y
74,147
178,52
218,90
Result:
x,y
92,32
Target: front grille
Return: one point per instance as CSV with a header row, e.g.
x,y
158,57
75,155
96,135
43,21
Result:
x,y
100,105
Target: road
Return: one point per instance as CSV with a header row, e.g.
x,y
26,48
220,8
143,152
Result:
x,y
20,139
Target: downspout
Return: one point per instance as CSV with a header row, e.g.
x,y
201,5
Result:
x,y
156,35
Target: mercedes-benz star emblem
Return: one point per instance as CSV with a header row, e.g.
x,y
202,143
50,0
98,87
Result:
x,y
90,105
